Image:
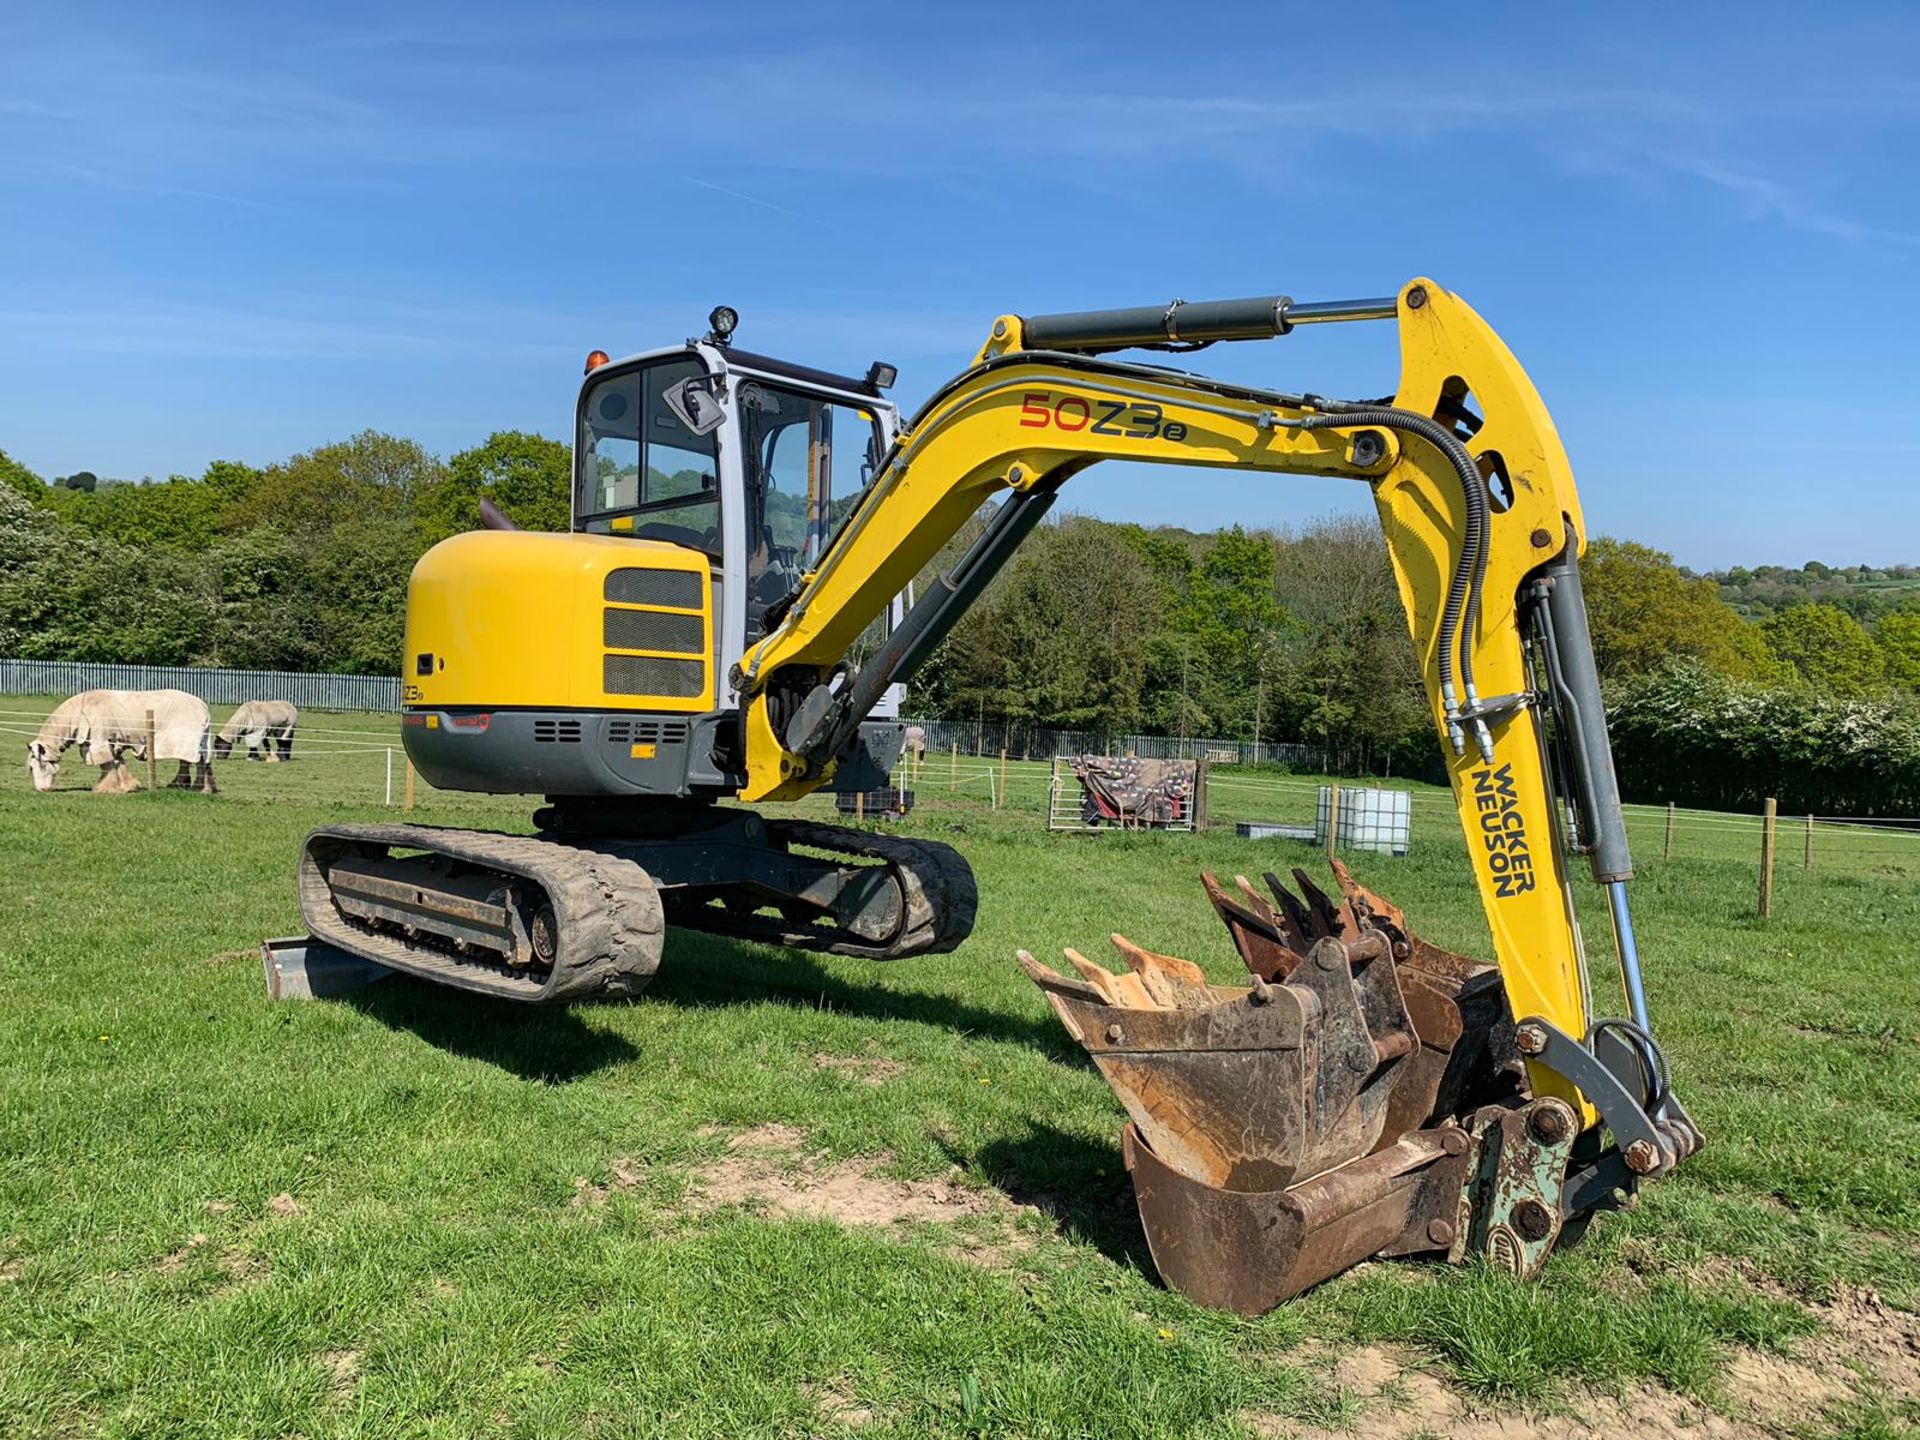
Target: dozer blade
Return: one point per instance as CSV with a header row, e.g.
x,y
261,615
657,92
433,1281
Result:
x,y
1281,1132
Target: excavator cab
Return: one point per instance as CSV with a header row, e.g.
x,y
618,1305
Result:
x,y
708,481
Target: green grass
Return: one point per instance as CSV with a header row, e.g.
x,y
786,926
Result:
x,y
440,1278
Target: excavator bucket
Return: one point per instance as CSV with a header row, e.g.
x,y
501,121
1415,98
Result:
x,y
1283,1131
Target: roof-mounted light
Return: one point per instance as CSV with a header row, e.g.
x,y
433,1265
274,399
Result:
x,y
881,375
722,320
595,360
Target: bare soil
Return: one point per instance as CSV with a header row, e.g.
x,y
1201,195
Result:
x,y
770,1168
1766,1395
868,1069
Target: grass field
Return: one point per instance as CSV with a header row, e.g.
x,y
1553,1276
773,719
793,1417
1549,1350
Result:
x,y
784,1195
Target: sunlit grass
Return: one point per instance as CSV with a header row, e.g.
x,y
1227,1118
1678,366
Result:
x,y
434,1278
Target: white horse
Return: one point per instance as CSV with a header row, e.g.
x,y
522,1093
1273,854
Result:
x,y
112,724
264,726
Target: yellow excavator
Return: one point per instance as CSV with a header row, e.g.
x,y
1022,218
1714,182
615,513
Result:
x,y
728,620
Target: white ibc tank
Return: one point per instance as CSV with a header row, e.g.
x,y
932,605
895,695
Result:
x,y
1379,821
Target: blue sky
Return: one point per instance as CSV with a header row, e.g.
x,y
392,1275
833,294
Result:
x,y
241,231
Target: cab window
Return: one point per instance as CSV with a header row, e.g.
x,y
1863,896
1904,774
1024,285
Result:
x,y
641,471
808,460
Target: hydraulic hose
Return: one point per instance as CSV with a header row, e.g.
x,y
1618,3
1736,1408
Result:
x,y
1461,612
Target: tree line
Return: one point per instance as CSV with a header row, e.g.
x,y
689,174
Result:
x,y
1110,628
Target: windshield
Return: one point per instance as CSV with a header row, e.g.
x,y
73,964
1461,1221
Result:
x,y
641,472
808,461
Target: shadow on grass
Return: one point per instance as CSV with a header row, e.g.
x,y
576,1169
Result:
x,y
556,1044
710,971
1082,1184
549,1043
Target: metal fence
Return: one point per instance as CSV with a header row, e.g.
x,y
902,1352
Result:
x,y
379,693
1023,743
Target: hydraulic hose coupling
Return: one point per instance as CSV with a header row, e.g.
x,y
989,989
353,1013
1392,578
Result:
x,y
1482,737
1450,706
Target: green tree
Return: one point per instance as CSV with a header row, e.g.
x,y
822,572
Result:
x,y
310,494
1644,612
1898,636
1346,672
67,594
19,479
528,476
1827,649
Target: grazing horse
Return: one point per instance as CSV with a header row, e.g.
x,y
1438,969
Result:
x,y
112,724
264,726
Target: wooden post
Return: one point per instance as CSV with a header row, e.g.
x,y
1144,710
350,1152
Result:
x,y
153,760
1001,798
953,766
859,804
1200,770
1669,852
409,786
1333,819
1766,856
1808,865
389,775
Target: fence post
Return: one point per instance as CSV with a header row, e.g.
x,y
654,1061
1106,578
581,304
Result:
x,y
1200,770
953,766
1808,865
409,786
1333,819
389,775
1003,778
1669,854
1766,857
153,760
859,804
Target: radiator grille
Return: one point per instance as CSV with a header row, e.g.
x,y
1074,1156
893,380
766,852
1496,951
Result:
x,y
654,587
657,732
654,630
645,675
565,732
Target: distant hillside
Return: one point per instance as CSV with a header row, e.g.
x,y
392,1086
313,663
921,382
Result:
x,y
1864,591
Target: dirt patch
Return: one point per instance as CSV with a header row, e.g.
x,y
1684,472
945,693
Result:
x,y
838,1407
1860,1331
1401,1401
867,1069
343,1371
175,1260
768,1168
1873,1334
218,1207
285,1206
772,1137
242,1268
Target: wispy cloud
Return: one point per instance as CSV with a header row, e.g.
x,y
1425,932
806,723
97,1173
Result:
x,y
1766,198
101,178
743,196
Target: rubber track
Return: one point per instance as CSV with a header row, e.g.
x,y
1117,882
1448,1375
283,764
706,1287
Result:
x,y
611,924
935,880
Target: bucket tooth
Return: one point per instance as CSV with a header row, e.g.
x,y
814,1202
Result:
x,y
1170,981
1332,919
1264,946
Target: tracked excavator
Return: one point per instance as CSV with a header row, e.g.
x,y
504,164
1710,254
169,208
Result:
x,y
728,621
